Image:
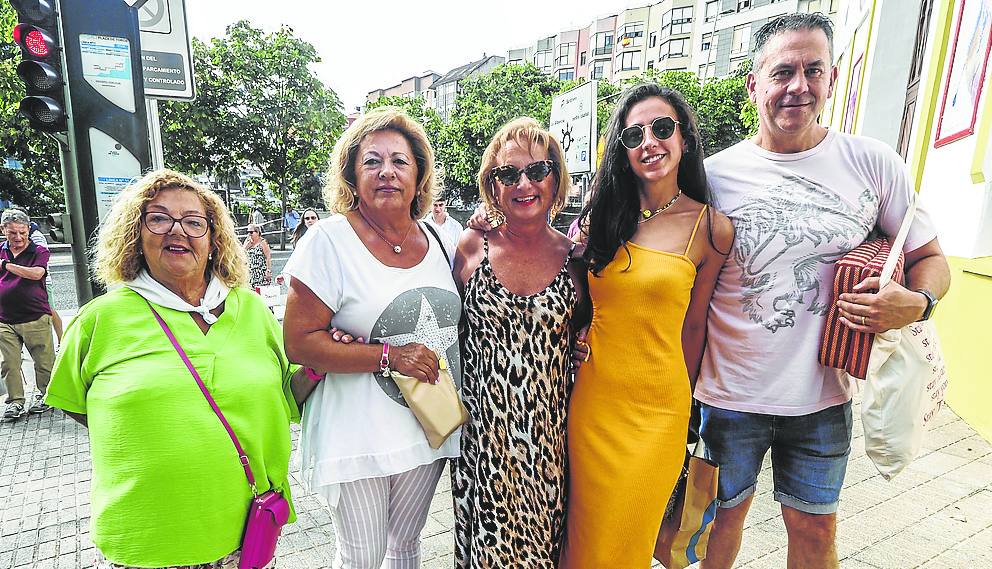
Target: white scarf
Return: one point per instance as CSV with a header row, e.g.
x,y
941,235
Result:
x,y
154,291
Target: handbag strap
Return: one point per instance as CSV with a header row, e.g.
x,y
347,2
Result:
x,y
242,455
890,262
439,242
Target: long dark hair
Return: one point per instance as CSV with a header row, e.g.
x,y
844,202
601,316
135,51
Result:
x,y
301,227
612,212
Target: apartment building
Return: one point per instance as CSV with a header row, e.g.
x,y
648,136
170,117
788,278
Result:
x,y
445,90
416,86
709,37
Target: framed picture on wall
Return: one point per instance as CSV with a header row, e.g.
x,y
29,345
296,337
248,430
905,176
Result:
x,y
966,72
852,95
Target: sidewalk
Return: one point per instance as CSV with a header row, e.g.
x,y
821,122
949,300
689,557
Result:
x,y
935,514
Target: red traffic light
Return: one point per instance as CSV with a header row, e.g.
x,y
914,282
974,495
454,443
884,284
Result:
x,y
34,40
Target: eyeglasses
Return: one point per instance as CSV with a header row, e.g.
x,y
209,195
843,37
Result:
x,y
310,218
162,223
252,231
509,175
661,127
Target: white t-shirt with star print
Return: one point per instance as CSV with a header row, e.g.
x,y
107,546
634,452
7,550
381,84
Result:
x,y
357,425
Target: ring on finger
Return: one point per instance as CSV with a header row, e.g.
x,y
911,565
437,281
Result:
x,y
864,321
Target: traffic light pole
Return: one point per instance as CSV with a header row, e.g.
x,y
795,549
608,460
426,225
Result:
x,y
86,288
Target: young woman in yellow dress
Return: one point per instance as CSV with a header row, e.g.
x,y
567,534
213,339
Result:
x,y
655,248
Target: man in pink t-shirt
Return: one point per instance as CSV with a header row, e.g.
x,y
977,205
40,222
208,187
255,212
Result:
x,y
800,197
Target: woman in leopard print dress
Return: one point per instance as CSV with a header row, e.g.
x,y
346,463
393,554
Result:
x,y
522,284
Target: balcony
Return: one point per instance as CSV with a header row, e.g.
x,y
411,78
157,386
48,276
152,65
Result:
x,y
607,50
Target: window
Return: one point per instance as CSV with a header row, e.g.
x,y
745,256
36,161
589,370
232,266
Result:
x,y
546,44
653,39
741,40
809,6
566,55
542,60
629,61
743,5
566,74
602,43
597,70
631,35
711,10
708,41
677,21
582,58
707,71
675,48
515,62
651,64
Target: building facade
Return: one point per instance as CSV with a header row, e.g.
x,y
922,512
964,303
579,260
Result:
x,y
915,74
444,91
708,37
413,87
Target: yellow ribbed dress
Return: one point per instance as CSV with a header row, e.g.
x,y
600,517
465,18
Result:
x,y
629,412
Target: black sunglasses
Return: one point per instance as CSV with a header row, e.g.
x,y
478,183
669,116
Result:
x,y
509,175
661,127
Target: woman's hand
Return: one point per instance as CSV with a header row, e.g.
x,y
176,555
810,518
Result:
x,y
484,220
580,352
415,360
344,337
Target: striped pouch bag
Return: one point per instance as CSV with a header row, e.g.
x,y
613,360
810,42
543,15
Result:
x,y
840,346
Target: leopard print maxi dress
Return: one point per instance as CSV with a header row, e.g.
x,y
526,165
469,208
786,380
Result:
x,y
509,485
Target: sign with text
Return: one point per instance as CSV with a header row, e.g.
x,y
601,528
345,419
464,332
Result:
x,y
166,57
573,123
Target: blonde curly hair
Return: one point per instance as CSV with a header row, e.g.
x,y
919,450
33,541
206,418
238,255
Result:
x,y
340,192
117,248
526,133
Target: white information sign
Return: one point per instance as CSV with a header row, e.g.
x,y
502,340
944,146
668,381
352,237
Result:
x,y
573,123
166,57
114,167
107,68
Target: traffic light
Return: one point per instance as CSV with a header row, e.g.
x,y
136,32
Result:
x,y
59,227
37,34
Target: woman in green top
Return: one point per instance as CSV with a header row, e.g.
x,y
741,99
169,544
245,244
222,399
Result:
x,y
168,488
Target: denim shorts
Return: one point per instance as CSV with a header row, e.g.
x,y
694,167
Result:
x,y
809,455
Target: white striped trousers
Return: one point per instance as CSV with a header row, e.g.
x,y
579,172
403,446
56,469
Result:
x,y
378,520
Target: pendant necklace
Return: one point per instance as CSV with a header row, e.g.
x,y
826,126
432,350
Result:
x,y
397,247
648,215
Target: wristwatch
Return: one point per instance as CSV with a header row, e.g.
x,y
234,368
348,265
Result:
x,y
931,303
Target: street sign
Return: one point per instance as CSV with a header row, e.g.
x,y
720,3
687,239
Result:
x,y
166,57
573,123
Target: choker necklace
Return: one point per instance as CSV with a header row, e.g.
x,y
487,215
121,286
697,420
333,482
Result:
x,y
397,247
648,215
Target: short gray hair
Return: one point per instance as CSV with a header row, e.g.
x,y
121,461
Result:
x,y
14,215
791,23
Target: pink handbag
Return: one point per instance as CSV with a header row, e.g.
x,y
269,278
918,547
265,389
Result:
x,y
268,512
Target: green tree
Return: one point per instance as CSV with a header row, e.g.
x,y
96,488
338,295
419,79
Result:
x,y
259,104
485,103
38,186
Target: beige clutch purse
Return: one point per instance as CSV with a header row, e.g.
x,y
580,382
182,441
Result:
x,y
438,407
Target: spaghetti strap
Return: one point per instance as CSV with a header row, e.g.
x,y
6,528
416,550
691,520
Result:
x,y
694,229
485,244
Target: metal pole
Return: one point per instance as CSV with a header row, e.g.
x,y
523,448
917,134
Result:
x,y
74,205
155,134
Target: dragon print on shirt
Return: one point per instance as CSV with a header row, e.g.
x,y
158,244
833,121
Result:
x,y
787,236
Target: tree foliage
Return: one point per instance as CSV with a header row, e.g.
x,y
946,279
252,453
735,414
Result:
x,y
38,186
259,104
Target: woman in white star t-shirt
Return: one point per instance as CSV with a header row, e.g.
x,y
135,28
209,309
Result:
x,y
373,270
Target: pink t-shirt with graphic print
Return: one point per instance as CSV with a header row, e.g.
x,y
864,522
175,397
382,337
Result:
x,y
794,215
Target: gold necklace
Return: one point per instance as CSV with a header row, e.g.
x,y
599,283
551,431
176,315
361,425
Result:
x,y
397,248
649,215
